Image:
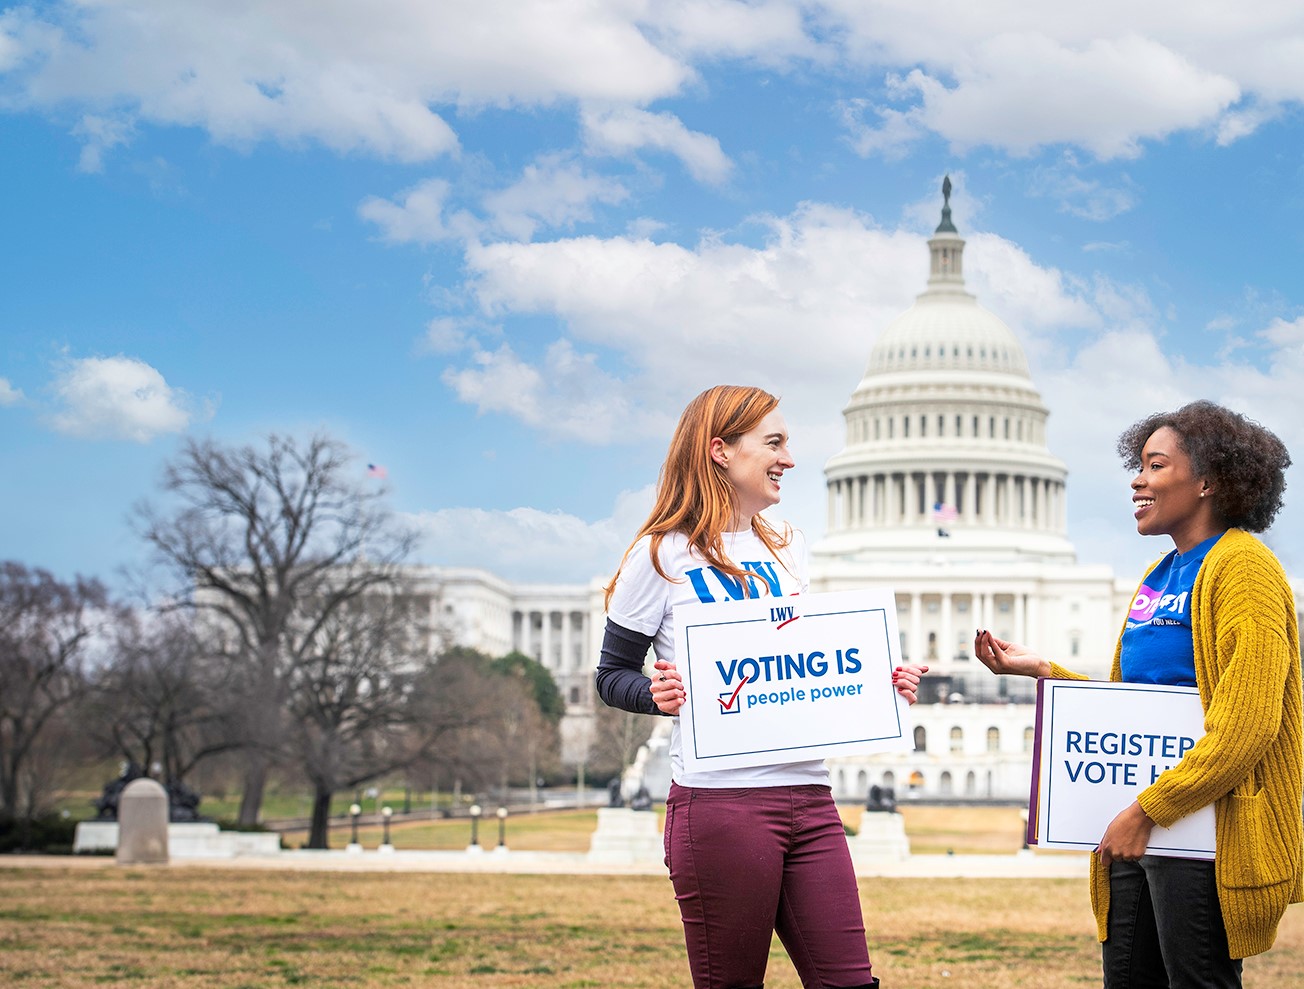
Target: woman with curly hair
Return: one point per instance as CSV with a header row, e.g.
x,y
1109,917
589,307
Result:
x,y
757,850
1217,614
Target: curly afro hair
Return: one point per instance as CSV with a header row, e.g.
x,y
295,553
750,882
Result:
x,y
1246,462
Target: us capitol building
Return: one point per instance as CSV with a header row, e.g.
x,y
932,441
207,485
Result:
x,y
946,493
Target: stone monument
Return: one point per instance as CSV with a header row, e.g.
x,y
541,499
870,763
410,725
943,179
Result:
x,y
627,837
882,833
143,823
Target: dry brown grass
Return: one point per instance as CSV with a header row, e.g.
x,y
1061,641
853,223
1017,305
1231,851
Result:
x,y
94,924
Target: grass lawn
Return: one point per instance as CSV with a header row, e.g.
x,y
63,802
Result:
x,y
91,923
95,924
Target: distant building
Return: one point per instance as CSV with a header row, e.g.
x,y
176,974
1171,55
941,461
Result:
x,y
946,493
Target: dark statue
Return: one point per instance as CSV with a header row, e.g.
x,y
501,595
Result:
x,y
183,802
882,799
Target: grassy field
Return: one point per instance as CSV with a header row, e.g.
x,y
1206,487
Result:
x,y
91,923
94,924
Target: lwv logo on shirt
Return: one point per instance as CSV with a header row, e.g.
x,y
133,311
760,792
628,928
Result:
x,y
730,588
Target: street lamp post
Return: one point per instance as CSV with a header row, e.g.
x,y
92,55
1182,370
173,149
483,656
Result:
x,y
502,829
354,811
476,811
385,814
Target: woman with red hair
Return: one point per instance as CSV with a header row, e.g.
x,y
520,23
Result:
x,y
751,851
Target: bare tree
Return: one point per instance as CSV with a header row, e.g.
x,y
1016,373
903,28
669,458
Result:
x,y
350,697
617,737
162,699
47,628
269,544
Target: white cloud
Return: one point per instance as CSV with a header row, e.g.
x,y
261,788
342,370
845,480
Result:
x,y
117,398
353,78
1106,76
99,134
896,132
1079,196
1289,336
1028,296
566,395
798,314
418,217
529,544
9,395
623,130
390,78
1241,123
1108,95
447,336
770,31
554,191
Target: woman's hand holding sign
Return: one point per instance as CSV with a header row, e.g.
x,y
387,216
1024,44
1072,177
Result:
x,y
667,688
1127,836
906,681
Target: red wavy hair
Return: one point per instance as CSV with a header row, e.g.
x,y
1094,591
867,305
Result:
x,y
694,495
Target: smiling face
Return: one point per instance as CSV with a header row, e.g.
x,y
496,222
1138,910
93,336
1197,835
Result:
x,y
1167,496
754,464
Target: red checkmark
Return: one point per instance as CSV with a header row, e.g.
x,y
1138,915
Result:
x,y
727,706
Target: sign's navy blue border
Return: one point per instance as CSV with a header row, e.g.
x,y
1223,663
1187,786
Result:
x,y
896,711
1044,700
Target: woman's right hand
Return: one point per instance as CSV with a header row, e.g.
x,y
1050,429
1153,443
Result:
x,y
1010,658
667,688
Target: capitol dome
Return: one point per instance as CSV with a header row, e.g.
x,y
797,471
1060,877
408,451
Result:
x,y
947,331
946,436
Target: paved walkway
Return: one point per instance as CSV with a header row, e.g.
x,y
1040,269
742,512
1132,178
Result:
x,y
1029,864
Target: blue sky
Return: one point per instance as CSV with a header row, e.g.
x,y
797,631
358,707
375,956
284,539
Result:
x,y
495,246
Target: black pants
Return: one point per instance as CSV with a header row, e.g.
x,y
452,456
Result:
x,y
1166,927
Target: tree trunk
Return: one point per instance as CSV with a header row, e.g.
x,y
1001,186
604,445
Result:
x,y
319,831
255,780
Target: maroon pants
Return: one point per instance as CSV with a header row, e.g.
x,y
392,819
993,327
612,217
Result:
x,y
747,863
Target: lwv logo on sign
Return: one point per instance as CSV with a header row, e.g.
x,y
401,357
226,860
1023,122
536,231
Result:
x,y
783,616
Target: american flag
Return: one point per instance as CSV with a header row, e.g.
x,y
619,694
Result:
x,y
943,512
375,470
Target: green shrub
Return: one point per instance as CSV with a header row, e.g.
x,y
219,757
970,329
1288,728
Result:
x,y
49,833
234,825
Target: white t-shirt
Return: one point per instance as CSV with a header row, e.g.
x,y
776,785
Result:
x,y
644,602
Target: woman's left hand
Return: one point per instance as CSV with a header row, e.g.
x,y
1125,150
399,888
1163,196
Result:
x,y
667,688
1127,836
906,680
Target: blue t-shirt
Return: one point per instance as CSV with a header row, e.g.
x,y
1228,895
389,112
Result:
x,y
1157,645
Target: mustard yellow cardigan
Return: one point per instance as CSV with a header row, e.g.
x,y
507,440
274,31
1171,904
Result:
x,y
1248,764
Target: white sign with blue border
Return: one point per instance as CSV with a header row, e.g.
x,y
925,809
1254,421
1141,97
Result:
x,y
772,680
1099,745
